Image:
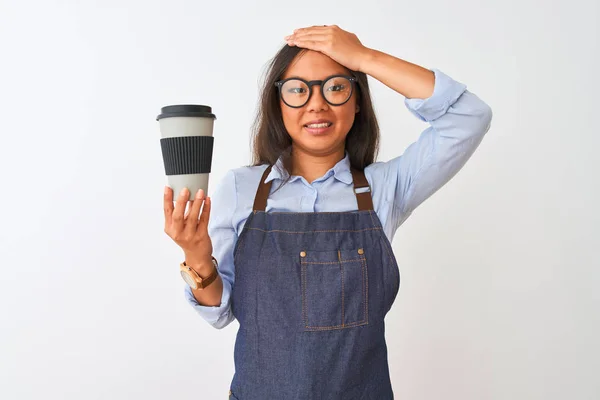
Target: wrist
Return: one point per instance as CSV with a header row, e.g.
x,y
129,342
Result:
x,y
203,267
367,59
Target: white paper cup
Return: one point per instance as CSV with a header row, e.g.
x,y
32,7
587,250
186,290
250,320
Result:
x,y
187,146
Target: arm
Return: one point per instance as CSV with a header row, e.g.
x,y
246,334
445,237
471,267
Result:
x,y
408,79
458,122
458,119
213,303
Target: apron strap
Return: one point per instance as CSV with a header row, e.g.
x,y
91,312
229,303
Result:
x,y
362,190
262,193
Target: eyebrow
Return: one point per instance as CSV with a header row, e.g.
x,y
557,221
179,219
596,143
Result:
x,y
327,76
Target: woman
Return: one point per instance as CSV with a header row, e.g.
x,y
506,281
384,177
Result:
x,y
302,237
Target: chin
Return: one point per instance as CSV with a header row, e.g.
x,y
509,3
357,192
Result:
x,y
319,146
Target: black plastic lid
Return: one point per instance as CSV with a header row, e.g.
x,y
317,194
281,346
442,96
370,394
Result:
x,y
186,110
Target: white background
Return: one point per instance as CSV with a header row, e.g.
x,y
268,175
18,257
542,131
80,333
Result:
x,y
499,269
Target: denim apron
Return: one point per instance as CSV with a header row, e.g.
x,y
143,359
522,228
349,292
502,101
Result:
x,y
311,292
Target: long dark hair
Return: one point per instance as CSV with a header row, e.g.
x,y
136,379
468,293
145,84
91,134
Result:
x,y
271,140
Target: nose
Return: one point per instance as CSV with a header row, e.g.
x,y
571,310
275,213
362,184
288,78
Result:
x,y
316,102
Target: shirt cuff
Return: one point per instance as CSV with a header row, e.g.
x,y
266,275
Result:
x,y
217,316
446,92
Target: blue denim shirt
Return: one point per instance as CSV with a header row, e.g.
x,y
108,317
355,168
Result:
x,y
458,121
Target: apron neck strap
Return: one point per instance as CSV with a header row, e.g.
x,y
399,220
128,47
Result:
x,y
362,190
262,193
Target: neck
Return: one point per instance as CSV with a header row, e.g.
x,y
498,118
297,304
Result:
x,y
311,166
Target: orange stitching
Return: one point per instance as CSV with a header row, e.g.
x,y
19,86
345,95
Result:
x,y
342,273
325,231
365,288
333,262
316,212
372,220
239,246
329,328
304,313
240,239
387,247
365,280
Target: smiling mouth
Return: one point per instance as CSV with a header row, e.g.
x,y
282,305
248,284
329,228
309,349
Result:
x,y
317,126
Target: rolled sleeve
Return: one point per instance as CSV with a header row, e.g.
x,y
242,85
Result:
x,y
224,237
218,316
446,92
458,120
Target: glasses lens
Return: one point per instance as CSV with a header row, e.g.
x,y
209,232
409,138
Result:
x,y
294,92
337,90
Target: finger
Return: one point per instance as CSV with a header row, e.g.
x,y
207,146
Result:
x,y
312,36
205,216
316,45
188,209
168,205
192,219
307,31
314,28
186,213
178,213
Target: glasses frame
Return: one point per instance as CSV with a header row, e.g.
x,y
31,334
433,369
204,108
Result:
x,y
310,84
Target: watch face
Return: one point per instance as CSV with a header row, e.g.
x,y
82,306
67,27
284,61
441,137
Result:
x,y
189,280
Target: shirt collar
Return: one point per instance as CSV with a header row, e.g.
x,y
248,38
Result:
x,y
341,171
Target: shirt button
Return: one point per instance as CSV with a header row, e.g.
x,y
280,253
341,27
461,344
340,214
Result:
x,y
302,254
361,251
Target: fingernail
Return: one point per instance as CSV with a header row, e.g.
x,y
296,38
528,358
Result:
x,y
166,190
199,193
183,191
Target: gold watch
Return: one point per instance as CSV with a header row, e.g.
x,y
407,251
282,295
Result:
x,y
195,281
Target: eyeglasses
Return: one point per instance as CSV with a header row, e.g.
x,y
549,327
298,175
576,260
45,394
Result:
x,y
336,90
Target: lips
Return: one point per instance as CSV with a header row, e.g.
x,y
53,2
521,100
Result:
x,y
318,127
318,124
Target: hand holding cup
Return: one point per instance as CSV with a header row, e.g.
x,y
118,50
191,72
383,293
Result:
x,y
189,229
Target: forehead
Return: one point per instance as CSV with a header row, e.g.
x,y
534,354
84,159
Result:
x,y
312,65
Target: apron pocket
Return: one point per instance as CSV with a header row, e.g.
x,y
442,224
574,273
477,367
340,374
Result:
x,y
334,289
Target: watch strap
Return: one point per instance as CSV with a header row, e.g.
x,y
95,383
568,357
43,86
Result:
x,y
204,282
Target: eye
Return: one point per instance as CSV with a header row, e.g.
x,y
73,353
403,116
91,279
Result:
x,y
336,88
296,90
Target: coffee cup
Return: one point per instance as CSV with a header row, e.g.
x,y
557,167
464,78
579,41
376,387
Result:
x,y
187,146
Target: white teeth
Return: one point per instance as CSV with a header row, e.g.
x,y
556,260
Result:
x,y
323,125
